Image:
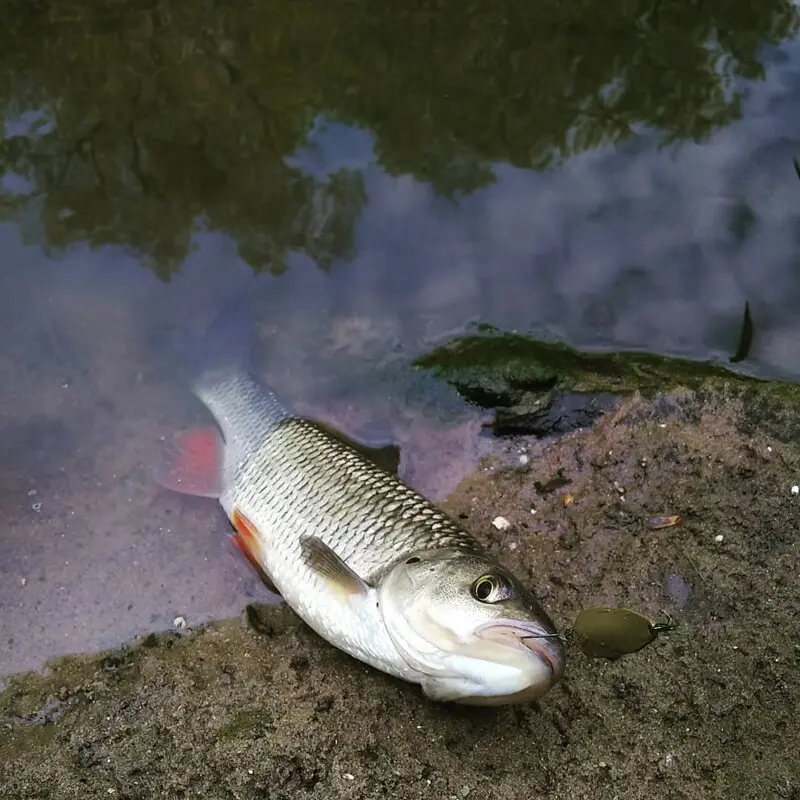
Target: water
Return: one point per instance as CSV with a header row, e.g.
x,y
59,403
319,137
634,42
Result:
x,y
382,180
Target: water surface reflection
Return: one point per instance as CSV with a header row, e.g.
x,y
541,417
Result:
x,y
382,180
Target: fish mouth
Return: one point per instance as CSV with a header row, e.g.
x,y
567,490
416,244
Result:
x,y
546,644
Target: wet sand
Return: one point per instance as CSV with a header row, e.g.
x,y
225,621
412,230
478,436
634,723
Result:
x,y
708,710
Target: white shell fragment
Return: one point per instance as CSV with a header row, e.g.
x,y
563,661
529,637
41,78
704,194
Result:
x,y
795,489
501,523
719,538
179,622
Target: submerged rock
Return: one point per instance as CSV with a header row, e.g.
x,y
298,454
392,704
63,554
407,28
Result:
x,y
558,413
543,388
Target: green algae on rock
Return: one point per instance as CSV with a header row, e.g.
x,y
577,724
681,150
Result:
x,y
495,367
541,388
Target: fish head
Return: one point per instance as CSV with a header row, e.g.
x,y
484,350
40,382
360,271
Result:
x,y
474,633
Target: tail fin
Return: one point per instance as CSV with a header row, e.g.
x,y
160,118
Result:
x,y
220,364
219,367
226,347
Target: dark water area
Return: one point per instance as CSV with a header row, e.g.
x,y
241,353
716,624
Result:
x,y
616,177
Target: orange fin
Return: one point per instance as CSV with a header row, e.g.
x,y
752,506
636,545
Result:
x,y
192,463
248,542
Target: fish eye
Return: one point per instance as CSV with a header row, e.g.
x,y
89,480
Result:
x,y
491,589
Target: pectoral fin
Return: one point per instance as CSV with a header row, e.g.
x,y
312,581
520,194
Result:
x,y
329,566
442,691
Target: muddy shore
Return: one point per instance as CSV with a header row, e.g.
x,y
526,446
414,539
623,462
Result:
x,y
709,710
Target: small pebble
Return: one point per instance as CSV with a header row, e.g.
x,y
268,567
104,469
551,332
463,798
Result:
x,y
23,581
795,489
719,538
501,523
523,459
179,622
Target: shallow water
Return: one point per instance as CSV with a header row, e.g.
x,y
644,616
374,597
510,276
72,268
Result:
x,y
381,182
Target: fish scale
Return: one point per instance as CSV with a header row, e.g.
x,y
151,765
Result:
x,y
304,482
366,515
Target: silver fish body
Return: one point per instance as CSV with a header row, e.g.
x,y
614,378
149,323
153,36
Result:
x,y
368,563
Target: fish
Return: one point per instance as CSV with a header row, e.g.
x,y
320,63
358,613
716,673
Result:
x,y
368,563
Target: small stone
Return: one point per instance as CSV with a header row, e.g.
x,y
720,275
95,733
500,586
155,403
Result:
x,y
23,581
795,489
32,493
523,459
719,538
501,523
179,622
349,777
